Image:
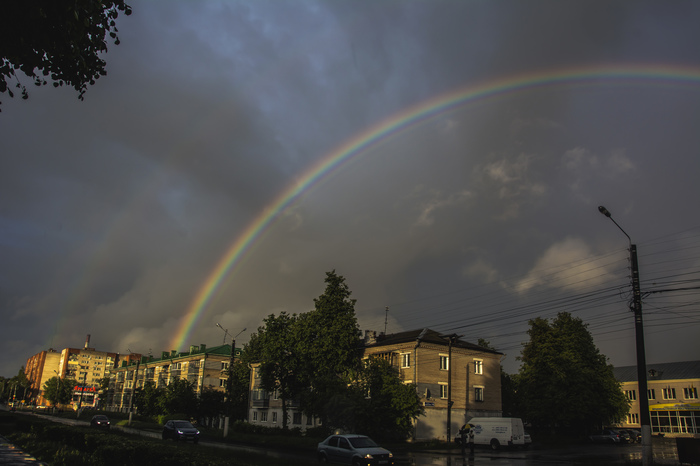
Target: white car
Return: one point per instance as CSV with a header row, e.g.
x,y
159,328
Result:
x,y
353,449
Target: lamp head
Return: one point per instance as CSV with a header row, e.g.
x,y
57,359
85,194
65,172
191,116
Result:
x,y
604,211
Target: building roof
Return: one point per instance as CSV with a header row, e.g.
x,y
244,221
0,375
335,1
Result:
x,y
662,371
425,335
220,350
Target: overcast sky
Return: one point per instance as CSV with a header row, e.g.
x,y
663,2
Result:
x,y
116,210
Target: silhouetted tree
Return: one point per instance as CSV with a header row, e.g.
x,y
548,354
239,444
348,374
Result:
x,y
56,40
564,380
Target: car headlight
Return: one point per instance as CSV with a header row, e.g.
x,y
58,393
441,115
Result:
x,y
368,456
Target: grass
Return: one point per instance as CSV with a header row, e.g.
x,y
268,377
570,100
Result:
x,y
59,445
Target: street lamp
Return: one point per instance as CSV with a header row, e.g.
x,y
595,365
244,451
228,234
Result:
x,y
230,370
636,307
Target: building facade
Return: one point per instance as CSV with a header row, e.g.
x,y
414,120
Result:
x,y
441,366
86,366
672,390
206,368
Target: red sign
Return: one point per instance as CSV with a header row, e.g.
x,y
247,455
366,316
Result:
x,y
84,389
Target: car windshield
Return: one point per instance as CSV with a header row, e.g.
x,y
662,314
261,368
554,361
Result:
x,y
362,442
182,424
101,418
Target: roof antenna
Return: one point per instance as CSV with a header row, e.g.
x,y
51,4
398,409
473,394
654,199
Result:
x,y
386,318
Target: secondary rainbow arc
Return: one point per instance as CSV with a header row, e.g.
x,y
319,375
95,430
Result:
x,y
396,124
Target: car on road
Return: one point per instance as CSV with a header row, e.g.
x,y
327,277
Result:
x,y
100,420
606,436
180,430
353,449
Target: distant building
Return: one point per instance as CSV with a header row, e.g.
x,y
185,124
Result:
x,y
672,390
85,366
426,358
205,368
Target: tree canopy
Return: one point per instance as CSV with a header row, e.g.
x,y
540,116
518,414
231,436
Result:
x,y
564,380
58,391
55,40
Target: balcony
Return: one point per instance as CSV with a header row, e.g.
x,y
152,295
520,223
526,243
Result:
x,y
261,403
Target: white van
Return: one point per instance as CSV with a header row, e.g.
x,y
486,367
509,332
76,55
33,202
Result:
x,y
498,431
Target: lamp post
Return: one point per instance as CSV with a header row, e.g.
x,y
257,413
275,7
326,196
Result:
x,y
230,371
636,307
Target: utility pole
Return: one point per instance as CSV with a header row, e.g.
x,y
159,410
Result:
x,y
450,341
229,382
636,307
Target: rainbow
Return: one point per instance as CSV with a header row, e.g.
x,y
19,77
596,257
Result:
x,y
407,119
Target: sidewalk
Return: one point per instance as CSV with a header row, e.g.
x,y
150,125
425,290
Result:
x,y
10,454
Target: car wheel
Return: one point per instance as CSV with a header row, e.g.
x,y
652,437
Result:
x,y
356,462
322,458
495,444
165,437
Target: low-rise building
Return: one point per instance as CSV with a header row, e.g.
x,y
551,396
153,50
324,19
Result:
x,y
443,368
205,368
672,390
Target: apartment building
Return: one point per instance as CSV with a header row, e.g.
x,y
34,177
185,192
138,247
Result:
x,y
672,390
86,366
441,366
205,368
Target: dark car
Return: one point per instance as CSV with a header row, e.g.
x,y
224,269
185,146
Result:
x,y
353,449
180,430
100,420
635,435
606,436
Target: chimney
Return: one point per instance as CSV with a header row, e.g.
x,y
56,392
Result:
x,y
87,341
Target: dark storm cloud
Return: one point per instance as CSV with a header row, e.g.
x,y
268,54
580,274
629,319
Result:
x,y
115,210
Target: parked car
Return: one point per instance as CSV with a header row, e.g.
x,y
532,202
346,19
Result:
x,y
180,430
624,436
606,436
635,435
100,420
527,439
353,449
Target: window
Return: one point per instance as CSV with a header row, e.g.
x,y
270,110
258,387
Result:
x,y
255,415
651,394
444,362
222,382
478,393
308,420
690,393
274,416
669,393
296,418
263,416
224,366
631,395
443,390
478,366
633,418
405,360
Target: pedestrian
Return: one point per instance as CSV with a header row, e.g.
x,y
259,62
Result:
x,y
471,441
463,438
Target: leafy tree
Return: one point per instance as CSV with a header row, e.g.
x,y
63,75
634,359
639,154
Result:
x,y
273,348
57,40
327,346
237,390
564,380
59,391
387,407
19,385
148,399
179,397
211,404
